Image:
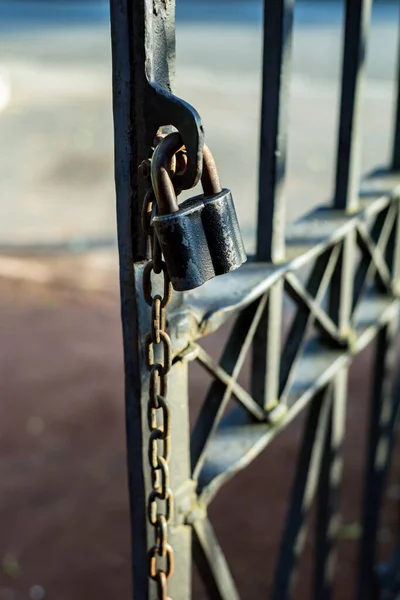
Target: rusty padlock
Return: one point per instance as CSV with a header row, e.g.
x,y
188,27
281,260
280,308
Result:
x,y
200,238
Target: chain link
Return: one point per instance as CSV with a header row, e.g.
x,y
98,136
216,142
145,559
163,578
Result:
x,y
160,501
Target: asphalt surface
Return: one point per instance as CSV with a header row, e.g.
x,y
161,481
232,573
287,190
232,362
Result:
x,y
56,170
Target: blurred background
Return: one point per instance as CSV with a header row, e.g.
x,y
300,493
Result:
x,y
63,501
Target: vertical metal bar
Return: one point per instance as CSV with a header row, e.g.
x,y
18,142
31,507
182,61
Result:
x,y
329,483
396,138
305,483
348,152
384,407
266,351
357,17
341,287
135,51
278,25
180,534
143,48
128,231
323,567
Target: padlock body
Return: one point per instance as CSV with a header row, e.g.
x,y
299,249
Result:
x,y
201,240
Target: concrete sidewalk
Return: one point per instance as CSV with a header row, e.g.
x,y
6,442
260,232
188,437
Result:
x,y
56,170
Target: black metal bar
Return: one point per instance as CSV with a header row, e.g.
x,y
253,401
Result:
x,y
143,51
396,128
278,25
211,563
266,351
131,24
348,154
323,567
131,243
305,484
341,287
327,525
384,407
143,37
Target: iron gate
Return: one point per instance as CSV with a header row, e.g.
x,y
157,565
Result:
x,y
351,250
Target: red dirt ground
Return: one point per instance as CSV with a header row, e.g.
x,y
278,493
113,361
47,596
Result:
x,y
63,492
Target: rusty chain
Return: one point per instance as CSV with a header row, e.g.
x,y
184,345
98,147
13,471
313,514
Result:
x,y
160,501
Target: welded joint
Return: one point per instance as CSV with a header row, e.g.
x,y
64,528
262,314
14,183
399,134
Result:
x,y
197,513
188,354
346,340
349,338
189,508
276,412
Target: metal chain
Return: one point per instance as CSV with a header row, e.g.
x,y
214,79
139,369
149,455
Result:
x,y
160,501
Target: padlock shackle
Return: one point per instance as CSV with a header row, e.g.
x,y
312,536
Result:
x,y
209,177
161,180
161,173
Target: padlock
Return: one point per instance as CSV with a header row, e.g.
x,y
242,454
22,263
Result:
x,y
199,238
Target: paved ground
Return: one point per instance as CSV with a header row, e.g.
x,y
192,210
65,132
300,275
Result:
x,y
63,494
56,171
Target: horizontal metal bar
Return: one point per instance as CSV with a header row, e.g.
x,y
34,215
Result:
x,y
238,440
208,307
